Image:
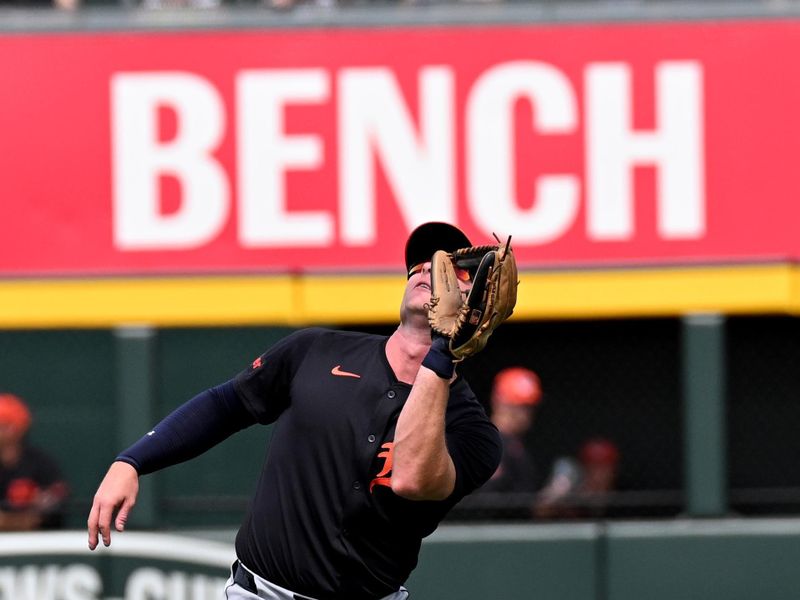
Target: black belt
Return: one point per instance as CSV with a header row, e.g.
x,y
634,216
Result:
x,y
245,580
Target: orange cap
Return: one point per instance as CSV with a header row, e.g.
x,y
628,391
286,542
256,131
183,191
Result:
x,y
599,451
14,412
517,385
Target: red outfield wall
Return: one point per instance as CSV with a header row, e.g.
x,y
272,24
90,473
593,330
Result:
x,y
216,177
276,151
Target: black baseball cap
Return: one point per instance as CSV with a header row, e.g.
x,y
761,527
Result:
x,y
430,237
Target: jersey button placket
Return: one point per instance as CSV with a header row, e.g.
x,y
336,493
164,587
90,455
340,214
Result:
x,y
356,485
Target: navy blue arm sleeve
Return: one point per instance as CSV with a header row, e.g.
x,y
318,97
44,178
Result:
x,y
191,429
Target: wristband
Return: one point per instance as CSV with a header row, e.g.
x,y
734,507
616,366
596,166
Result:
x,y
439,359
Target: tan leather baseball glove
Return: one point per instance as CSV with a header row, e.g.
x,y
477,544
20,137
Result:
x,y
469,322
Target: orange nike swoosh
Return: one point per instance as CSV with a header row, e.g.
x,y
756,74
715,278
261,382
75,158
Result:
x,y
337,371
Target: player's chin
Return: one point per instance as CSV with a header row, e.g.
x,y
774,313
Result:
x,y
418,305
421,298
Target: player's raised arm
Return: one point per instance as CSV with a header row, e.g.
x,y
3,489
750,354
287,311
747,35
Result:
x,y
423,469
463,311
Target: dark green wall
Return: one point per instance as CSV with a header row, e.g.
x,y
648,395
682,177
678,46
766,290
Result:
x,y
728,559
191,361
505,563
617,378
700,559
69,378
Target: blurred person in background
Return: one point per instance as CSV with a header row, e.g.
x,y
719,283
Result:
x,y
32,490
581,489
60,4
179,4
516,393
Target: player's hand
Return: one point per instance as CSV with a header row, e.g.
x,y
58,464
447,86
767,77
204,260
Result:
x,y
116,494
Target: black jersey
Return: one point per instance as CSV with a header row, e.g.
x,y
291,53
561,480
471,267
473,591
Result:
x,y
324,520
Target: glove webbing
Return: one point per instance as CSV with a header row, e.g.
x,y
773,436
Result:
x,y
474,250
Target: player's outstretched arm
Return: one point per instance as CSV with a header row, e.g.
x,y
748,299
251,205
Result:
x,y
186,432
116,494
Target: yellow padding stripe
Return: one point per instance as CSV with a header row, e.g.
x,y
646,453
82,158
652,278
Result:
x,y
156,301
322,299
663,292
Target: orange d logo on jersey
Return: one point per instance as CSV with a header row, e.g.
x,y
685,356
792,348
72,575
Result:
x,y
385,476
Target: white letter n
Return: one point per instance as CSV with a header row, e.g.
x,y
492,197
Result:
x,y
375,123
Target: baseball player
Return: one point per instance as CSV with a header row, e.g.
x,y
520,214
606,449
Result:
x,y
375,439
516,394
32,489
